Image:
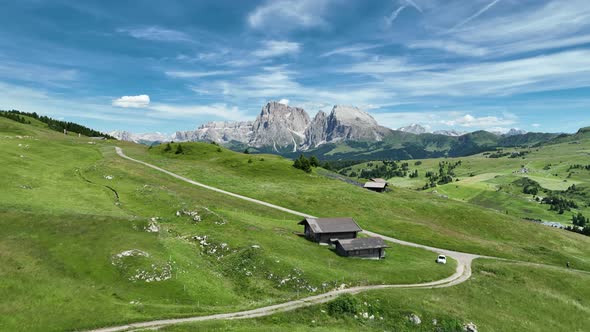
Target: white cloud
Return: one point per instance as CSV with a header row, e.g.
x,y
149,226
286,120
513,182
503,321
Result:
x,y
476,15
450,47
273,48
288,14
284,101
156,33
197,74
536,125
354,50
132,101
544,26
220,110
563,70
469,120
391,18
383,65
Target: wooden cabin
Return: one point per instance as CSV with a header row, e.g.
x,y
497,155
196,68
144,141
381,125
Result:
x,y
366,247
375,186
327,230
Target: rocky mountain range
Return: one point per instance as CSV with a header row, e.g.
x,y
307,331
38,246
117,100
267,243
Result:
x,y
285,129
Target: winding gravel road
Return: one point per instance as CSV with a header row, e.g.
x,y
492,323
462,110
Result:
x,y
462,273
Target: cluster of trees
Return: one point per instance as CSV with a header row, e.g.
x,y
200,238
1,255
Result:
x,y
559,204
498,154
305,164
338,165
584,231
59,125
580,220
445,174
530,187
178,150
388,169
14,117
578,166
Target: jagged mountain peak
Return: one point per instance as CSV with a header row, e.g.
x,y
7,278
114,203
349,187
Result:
x,y
413,129
351,114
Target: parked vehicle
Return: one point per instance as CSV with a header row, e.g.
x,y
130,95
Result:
x,y
441,259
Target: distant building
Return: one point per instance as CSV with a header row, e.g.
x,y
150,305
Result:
x,y
327,230
368,247
98,138
375,186
380,180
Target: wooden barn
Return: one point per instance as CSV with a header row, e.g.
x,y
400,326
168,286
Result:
x,y
375,186
366,247
326,230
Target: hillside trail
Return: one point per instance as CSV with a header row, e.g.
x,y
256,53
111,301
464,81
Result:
x,y
462,272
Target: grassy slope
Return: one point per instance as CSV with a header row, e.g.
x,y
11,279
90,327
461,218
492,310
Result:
x,y
61,226
409,215
494,174
499,297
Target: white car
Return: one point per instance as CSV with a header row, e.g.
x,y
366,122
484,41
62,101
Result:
x,y
441,259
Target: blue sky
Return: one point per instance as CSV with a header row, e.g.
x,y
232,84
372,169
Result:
x,y
163,66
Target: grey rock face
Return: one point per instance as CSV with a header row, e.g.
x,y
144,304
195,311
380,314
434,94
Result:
x,y
451,132
413,129
515,131
316,133
279,126
219,132
145,138
344,123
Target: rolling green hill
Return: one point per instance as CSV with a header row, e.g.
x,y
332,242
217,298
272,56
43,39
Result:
x,y
400,145
494,179
89,239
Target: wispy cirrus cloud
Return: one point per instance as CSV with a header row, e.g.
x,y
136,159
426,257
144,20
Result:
x,y
450,46
476,15
198,74
289,14
273,48
156,33
219,110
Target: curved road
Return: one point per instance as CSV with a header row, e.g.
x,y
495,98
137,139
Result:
x,y
462,273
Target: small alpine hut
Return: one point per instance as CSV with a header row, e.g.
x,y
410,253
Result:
x,y
376,184
326,230
366,247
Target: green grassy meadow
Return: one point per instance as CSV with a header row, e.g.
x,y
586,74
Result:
x,y
78,248
405,214
499,297
71,208
488,182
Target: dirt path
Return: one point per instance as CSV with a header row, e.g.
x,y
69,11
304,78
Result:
x,y
462,273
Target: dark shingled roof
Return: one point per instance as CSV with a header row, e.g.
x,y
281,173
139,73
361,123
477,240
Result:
x,y
362,243
331,225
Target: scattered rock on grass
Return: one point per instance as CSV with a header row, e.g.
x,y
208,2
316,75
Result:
x,y
470,327
415,319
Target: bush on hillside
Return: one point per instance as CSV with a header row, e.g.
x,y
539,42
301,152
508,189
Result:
x,y
344,304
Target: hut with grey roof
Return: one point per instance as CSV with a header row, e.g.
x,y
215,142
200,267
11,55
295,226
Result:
x,y
327,230
375,186
366,247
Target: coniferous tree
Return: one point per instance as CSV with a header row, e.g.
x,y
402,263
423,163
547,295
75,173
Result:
x,y
168,148
179,149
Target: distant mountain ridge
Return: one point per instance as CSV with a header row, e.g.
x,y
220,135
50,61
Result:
x,y
345,132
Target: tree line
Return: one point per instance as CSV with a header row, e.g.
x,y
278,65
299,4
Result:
x,y
54,124
306,164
